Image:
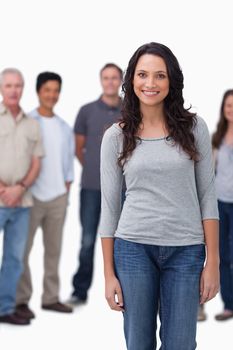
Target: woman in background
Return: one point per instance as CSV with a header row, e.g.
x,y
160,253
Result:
x,y
154,248
222,142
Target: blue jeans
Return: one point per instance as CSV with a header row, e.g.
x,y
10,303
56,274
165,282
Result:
x,y
159,278
14,222
226,253
90,205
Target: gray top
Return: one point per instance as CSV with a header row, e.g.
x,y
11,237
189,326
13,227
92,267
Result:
x,y
224,173
168,195
92,120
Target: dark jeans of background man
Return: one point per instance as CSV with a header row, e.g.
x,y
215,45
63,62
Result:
x,y
90,208
226,253
90,205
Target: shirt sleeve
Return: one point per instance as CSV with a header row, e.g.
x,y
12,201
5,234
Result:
x,y
80,126
111,176
204,173
38,149
69,174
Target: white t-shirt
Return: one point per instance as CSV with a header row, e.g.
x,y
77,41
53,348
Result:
x,y
50,183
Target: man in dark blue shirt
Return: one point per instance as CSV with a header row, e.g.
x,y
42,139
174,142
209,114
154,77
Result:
x,y
91,122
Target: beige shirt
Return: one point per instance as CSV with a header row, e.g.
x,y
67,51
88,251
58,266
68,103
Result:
x,y
20,140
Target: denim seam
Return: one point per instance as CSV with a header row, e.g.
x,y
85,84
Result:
x,y
162,314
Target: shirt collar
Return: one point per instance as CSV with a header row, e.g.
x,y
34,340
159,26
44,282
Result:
x,y
38,115
5,110
104,105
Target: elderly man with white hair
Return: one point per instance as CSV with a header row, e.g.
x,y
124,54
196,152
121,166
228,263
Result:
x,y
20,152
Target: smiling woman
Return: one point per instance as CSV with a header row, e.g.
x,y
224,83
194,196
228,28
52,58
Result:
x,y
151,86
153,248
154,68
222,142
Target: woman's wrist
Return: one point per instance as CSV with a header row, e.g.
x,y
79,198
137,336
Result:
x,y
213,261
109,272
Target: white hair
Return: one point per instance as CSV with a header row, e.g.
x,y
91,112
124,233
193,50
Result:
x,y
10,71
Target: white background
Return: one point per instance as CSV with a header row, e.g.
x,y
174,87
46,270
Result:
x,y
76,39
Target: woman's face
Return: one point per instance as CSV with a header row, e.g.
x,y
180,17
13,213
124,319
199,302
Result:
x,y
228,108
150,82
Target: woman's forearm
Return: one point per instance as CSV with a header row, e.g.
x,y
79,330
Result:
x,y
107,248
209,282
211,232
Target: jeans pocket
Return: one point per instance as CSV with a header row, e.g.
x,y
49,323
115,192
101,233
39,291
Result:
x,y
193,257
197,250
131,257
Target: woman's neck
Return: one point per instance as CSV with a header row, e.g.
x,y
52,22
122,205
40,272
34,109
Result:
x,y
153,122
228,138
152,115
230,128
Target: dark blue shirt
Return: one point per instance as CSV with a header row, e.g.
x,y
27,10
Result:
x,y
92,121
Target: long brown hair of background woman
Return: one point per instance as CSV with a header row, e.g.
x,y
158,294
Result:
x,y
222,124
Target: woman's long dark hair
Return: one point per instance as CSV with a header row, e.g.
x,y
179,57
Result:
x,y
179,121
222,123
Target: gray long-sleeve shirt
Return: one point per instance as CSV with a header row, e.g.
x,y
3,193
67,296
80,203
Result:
x,y
168,195
224,173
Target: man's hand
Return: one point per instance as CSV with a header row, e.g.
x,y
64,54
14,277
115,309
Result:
x,y
2,184
11,195
2,188
68,184
80,142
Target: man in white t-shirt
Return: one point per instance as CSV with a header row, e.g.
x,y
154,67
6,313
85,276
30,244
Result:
x,y
50,193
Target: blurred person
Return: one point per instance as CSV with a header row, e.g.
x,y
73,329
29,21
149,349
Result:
x,y
50,193
222,142
90,124
154,249
20,152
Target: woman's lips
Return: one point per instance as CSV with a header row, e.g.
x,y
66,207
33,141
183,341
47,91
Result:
x,y
150,93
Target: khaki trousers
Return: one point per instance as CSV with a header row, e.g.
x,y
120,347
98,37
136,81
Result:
x,y
50,216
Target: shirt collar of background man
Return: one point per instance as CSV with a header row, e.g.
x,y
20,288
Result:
x,y
104,105
4,110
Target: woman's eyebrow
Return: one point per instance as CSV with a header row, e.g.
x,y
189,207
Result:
x,y
144,71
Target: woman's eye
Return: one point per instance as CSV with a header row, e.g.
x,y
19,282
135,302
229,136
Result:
x,y
161,76
141,75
